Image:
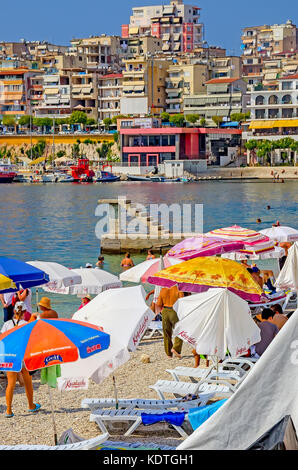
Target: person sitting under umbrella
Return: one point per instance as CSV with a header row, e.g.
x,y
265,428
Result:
x,y
46,310
85,301
18,321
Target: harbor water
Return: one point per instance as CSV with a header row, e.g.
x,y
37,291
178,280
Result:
x,y
56,222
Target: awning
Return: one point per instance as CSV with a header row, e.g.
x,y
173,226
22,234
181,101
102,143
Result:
x,y
76,91
274,124
165,20
51,91
177,47
166,37
177,36
86,91
166,47
270,76
49,79
134,30
38,160
230,124
138,88
176,20
168,9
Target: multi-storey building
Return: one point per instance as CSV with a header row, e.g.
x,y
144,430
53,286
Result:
x,y
15,90
56,101
263,44
84,92
225,67
102,52
224,97
282,102
109,95
144,86
184,80
177,25
140,45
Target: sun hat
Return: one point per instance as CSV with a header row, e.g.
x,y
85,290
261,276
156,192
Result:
x,y
88,296
88,265
20,305
45,302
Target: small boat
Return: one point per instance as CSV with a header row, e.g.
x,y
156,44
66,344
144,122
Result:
x,y
107,177
7,172
49,178
162,179
138,178
65,179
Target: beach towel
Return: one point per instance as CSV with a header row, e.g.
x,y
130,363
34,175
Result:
x,y
49,375
176,419
198,416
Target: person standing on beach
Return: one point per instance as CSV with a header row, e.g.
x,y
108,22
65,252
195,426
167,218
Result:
x,y
25,296
6,300
18,321
167,298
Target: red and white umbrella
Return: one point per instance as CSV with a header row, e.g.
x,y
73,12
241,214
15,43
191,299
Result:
x,y
203,245
255,243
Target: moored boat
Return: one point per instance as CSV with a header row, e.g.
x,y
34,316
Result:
x,y
138,178
107,177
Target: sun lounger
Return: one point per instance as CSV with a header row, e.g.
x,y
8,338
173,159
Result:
x,y
155,328
130,404
135,416
221,388
90,444
280,298
229,369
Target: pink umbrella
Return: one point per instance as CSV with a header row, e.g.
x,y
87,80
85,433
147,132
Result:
x,y
203,246
142,271
254,242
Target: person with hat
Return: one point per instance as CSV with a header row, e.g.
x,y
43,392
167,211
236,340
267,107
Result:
x,y
46,309
85,301
26,380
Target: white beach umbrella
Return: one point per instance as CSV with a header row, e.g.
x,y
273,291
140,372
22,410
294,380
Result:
x,y
268,394
276,254
281,233
94,281
142,271
61,277
216,321
288,277
125,316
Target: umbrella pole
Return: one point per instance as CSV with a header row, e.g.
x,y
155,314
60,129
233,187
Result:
x,y
116,393
53,416
37,300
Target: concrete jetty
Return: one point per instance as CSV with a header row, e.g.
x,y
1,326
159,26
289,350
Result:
x,y
152,234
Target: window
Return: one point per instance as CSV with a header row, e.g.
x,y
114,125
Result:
x,y
273,99
259,100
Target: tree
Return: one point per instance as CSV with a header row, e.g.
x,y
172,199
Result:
x,y
120,116
61,153
25,120
217,120
107,123
192,118
165,117
91,122
9,121
203,122
78,117
75,151
177,120
105,151
37,150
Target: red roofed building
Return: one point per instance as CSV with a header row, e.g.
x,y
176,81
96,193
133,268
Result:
x,y
223,97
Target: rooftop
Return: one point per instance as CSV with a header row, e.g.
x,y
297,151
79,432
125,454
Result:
x,y
222,80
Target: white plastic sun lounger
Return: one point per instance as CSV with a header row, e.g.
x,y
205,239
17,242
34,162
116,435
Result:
x,y
220,388
134,416
90,444
131,404
155,328
229,369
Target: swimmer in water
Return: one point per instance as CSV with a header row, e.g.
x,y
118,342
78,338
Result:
x,y
268,208
259,221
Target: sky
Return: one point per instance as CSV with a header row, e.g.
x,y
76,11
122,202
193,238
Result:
x,y
59,21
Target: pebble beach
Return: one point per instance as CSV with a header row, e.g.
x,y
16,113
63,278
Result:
x,y
132,379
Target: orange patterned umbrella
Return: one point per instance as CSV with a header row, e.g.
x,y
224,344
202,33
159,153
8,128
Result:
x,y
201,274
